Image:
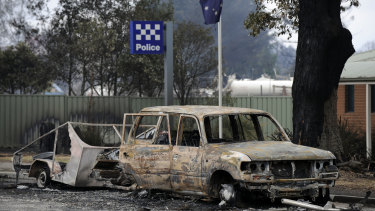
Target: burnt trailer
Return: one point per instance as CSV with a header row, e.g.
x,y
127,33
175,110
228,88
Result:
x,y
76,154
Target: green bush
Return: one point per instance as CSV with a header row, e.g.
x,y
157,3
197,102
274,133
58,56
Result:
x,y
353,141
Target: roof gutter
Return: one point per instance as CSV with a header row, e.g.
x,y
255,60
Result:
x,y
357,81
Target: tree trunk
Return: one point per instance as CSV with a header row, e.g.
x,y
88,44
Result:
x,y
115,84
330,138
323,48
84,79
70,74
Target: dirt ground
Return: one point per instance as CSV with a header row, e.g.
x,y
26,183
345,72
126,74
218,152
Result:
x,y
28,197
32,198
356,184
86,199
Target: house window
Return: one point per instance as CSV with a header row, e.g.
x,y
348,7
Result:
x,y
349,98
372,98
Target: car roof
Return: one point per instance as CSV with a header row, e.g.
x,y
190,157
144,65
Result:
x,y
200,110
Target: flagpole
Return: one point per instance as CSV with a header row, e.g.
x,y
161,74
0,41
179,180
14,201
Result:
x,y
220,75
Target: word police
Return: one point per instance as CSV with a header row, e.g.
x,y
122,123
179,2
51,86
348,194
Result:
x,y
147,47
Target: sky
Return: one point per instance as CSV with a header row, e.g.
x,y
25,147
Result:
x,y
359,20
361,23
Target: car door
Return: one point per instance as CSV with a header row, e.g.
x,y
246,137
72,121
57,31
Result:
x,y
186,168
148,151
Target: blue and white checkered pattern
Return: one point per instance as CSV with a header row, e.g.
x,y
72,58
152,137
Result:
x,y
148,31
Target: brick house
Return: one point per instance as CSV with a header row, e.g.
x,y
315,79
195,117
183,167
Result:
x,y
356,94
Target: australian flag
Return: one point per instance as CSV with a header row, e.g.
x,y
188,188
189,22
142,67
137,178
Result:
x,y
211,10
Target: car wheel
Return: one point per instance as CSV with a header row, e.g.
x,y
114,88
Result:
x,y
43,178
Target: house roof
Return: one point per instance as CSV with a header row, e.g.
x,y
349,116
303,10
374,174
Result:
x,y
201,110
359,68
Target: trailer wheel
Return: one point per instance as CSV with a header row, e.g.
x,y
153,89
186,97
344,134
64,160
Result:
x,y
43,178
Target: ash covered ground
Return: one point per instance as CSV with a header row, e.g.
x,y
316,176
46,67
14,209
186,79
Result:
x,y
31,198
28,197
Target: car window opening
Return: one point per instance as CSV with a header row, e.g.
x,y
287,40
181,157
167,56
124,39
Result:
x,y
190,135
241,127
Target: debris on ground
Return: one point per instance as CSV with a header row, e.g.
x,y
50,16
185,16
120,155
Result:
x,y
307,205
364,166
331,206
222,203
362,203
142,194
51,190
22,187
352,164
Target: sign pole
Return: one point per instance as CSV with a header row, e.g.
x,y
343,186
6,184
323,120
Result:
x,y
220,76
168,64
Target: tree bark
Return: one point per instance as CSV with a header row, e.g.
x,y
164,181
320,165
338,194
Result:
x,y
324,45
330,138
70,74
84,79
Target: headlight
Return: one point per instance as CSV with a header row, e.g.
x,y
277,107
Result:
x,y
255,167
321,165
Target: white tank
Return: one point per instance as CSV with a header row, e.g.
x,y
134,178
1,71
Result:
x,y
260,87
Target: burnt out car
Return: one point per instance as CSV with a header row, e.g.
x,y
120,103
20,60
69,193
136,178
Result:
x,y
184,149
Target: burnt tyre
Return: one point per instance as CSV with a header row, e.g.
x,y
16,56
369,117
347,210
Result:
x,y
43,178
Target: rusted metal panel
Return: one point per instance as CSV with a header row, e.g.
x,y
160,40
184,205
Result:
x,y
186,168
271,150
200,111
151,163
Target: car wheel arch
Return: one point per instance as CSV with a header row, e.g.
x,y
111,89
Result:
x,y
217,178
36,166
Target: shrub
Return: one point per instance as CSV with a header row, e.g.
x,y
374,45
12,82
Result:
x,y
353,141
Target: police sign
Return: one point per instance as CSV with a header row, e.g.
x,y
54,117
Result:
x,y
146,37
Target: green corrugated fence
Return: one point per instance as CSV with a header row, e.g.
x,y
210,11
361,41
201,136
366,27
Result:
x,y
24,117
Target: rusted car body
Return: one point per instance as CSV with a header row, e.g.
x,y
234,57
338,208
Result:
x,y
83,165
181,148
185,150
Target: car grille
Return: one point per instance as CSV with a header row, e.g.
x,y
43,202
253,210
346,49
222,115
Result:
x,y
285,170
282,170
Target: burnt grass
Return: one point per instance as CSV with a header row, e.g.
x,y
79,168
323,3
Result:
x,y
68,198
